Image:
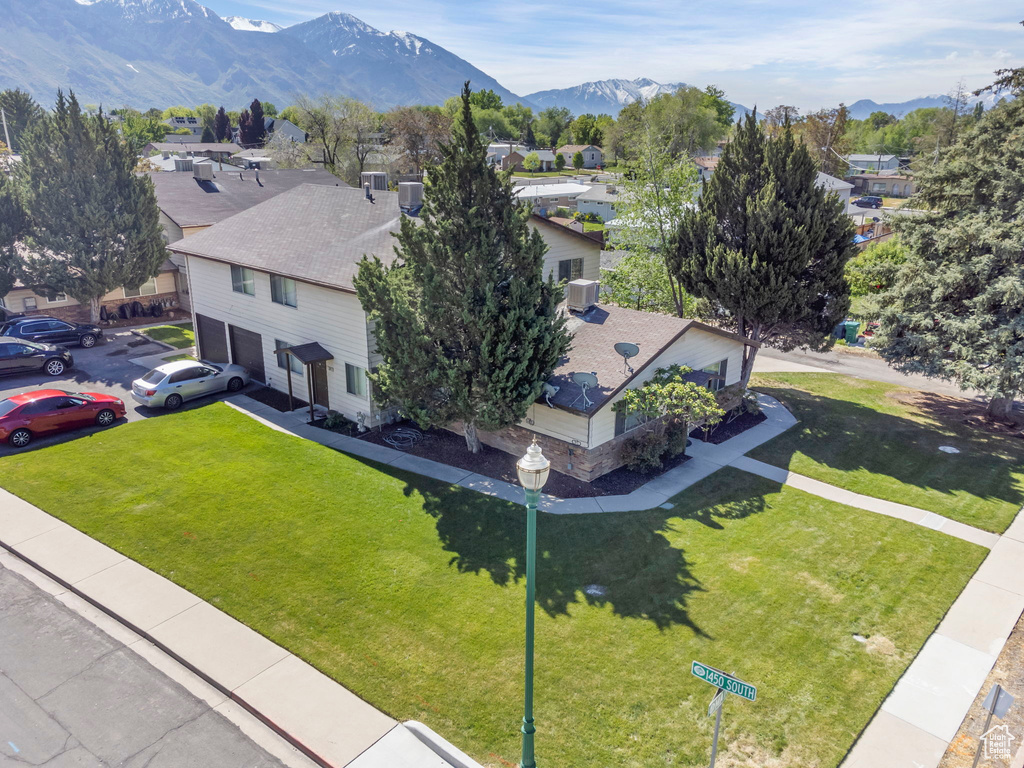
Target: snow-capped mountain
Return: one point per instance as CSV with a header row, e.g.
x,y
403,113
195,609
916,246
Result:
x,y
146,53
251,25
403,67
608,96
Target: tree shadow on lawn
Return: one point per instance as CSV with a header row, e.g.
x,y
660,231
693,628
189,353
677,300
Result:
x,y
848,436
625,559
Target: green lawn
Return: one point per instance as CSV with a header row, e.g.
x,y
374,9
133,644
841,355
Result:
x,y
592,226
857,435
175,358
178,336
410,592
546,174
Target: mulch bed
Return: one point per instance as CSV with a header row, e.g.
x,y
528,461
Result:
x,y
449,448
969,412
275,399
724,430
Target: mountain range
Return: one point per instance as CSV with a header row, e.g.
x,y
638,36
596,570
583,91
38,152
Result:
x,y
145,53
608,96
863,108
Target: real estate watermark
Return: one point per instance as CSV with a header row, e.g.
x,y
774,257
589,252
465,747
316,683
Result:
x,y
997,743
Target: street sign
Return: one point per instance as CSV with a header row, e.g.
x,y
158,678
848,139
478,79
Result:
x,y
716,703
719,679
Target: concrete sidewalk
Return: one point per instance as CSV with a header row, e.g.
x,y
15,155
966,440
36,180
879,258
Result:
x,y
328,723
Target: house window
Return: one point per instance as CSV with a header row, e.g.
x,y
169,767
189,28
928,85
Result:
x,y
58,298
29,303
626,422
285,360
148,288
570,269
355,380
243,280
718,371
282,290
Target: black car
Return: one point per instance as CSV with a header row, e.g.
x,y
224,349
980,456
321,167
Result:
x,y
20,356
50,330
868,201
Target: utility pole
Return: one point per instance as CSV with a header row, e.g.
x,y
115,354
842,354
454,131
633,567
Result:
x,y
7,138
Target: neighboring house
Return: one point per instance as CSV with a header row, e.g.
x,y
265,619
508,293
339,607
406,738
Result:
x,y
161,289
193,125
600,200
181,138
585,440
189,204
216,151
257,159
547,197
860,163
286,128
883,184
592,156
515,160
280,273
496,151
832,184
706,165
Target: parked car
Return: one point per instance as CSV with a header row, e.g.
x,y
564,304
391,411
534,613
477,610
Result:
x,y
24,416
868,201
20,356
51,330
171,384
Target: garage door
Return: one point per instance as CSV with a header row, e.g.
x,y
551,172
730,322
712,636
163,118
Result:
x,y
247,350
212,341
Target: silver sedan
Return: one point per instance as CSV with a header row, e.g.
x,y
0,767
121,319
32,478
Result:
x,y
171,384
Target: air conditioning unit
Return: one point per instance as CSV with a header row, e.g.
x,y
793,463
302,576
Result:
x,y
410,194
378,180
582,294
183,164
203,171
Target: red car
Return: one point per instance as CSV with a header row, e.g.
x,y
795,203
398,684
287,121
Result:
x,y
24,416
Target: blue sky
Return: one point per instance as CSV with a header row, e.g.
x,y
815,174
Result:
x,y
810,54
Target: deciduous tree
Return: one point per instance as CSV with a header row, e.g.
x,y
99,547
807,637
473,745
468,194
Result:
x,y
766,246
559,162
465,322
221,126
419,132
531,162
94,223
577,161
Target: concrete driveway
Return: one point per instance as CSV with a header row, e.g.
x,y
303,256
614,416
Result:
x,y
106,368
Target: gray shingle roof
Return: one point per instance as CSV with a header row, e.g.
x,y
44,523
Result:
x,y
317,234
192,203
594,335
226,148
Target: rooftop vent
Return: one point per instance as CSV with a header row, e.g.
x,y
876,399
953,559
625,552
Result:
x,y
183,164
582,295
410,195
378,180
203,171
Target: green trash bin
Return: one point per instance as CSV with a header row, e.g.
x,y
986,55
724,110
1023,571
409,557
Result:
x,y
852,326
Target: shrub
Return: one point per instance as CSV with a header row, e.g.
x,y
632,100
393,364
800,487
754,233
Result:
x,y
643,452
337,422
563,213
676,435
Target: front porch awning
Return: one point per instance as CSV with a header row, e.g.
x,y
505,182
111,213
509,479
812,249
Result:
x,y
306,353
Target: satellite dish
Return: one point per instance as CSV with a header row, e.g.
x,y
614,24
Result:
x,y
627,351
585,381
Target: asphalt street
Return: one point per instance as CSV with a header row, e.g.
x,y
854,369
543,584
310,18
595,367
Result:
x,y
105,368
72,696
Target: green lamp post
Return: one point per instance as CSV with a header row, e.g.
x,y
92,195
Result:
x,y
533,471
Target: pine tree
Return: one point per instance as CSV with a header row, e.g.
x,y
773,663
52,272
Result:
x,y
766,246
13,227
208,136
956,310
94,224
20,111
531,140
257,124
466,324
221,126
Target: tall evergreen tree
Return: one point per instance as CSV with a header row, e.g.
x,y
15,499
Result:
x,y
531,140
766,246
466,324
257,124
208,136
956,310
221,126
20,111
13,227
94,224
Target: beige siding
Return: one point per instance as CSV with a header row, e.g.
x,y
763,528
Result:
x,y
555,422
696,349
333,318
15,300
567,246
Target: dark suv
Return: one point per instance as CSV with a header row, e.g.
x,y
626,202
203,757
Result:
x,y
50,330
868,201
20,356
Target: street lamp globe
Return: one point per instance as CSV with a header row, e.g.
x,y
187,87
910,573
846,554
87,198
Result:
x,y
533,468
